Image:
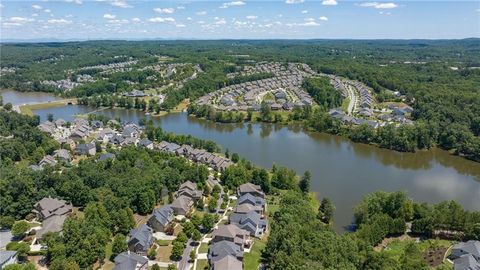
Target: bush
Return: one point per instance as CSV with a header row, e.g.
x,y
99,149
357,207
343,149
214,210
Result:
x,y
19,228
6,222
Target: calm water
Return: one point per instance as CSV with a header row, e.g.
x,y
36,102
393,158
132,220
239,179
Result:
x,y
341,170
17,98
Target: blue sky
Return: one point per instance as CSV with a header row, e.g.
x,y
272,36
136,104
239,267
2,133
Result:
x,y
292,19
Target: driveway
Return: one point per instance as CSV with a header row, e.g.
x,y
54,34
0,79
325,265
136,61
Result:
x,y
5,238
184,264
163,236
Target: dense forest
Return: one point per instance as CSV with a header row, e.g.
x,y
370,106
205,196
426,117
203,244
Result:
x,y
439,78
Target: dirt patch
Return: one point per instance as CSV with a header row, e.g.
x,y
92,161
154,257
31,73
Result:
x,y
434,257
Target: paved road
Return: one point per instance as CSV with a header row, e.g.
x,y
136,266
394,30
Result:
x,y
353,98
184,263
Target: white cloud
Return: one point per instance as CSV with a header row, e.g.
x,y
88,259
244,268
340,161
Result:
x,y
189,18
294,1
309,19
384,13
304,11
251,17
78,2
309,24
59,21
136,20
379,5
35,15
164,10
180,7
1,5
323,18
161,20
118,21
201,13
119,3
181,25
37,7
220,21
47,10
19,20
109,16
232,4
329,2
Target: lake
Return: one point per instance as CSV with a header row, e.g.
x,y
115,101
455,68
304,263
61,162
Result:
x,y
341,170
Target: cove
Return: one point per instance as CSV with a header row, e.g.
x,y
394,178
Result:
x,y
341,170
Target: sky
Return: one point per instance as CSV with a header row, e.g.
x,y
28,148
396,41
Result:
x,y
238,19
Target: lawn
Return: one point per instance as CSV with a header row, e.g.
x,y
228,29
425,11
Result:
x,y
203,248
345,103
202,264
164,253
163,243
108,251
251,260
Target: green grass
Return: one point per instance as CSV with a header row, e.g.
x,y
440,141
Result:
x,y
202,264
203,248
163,243
345,103
251,260
108,251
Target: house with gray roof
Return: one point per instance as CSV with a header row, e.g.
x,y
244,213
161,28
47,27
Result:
x,y
87,149
140,239
228,263
106,156
466,255
182,205
189,189
249,188
7,257
145,143
47,160
221,249
249,199
160,218
62,155
130,261
52,224
48,207
251,222
233,234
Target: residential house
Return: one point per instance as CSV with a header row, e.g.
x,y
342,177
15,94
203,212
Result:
x,y
140,239
161,218
146,143
130,261
257,202
251,222
48,207
131,130
233,234
190,190
228,263
182,205
47,160
221,249
51,224
7,257
87,149
251,189
106,156
47,127
470,247
62,155
60,122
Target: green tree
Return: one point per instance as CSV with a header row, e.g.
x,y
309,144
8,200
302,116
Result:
x,y
326,210
208,221
156,267
196,235
19,228
305,182
6,222
119,245
177,250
